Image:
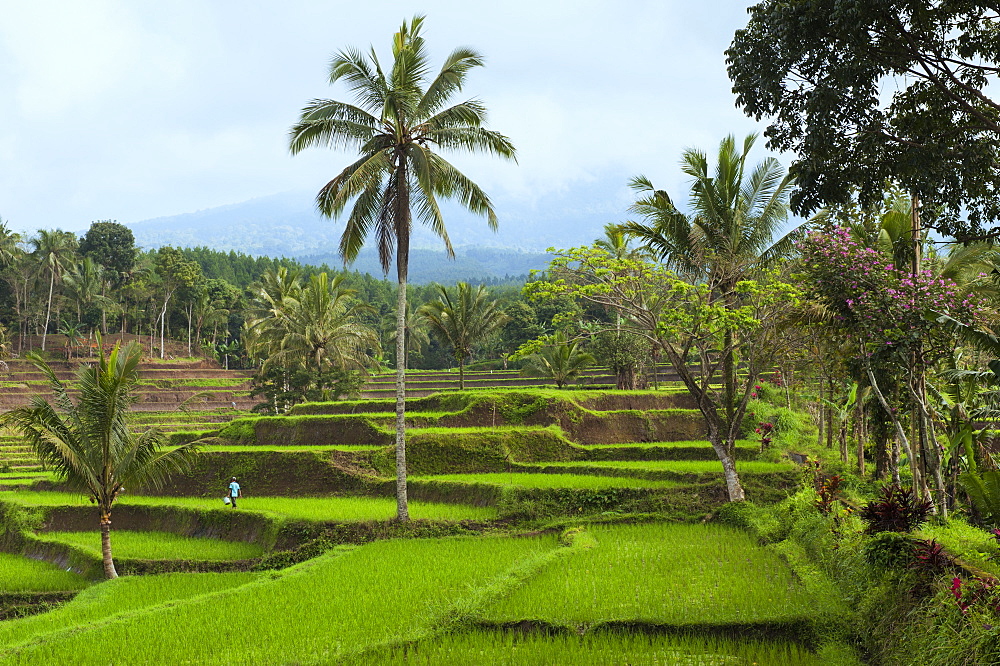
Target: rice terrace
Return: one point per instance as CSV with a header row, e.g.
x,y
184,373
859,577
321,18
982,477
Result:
x,y
750,419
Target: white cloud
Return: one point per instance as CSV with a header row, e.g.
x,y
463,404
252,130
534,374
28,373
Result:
x,y
132,110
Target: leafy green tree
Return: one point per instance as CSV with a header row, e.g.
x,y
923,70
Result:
x,y
91,440
463,318
521,326
54,251
869,92
112,245
12,258
624,353
559,359
685,320
400,116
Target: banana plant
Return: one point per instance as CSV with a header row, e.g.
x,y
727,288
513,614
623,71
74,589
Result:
x,y
841,413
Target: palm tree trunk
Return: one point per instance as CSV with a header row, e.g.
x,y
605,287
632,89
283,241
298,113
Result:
x,y
48,310
402,507
109,564
461,374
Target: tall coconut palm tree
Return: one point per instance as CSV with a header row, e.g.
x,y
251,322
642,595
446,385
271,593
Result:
x,y
462,319
730,235
91,441
400,117
54,250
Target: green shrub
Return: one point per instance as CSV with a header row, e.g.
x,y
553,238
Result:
x,y
888,551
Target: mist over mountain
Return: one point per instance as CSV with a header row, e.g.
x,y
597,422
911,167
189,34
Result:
x,y
288,225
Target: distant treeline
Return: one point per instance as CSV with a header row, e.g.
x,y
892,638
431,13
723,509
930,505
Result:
x,y
486,266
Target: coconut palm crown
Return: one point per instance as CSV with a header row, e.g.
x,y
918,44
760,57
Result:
x,y
90,439
735,216
400,119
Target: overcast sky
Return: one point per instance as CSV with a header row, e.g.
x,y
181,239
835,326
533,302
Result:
x,y
135,110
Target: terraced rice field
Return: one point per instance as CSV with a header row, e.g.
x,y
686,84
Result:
x,y
394,602
21,574
523,480
597,649
676,466
335,605
158,546
669,574
650,593
320,509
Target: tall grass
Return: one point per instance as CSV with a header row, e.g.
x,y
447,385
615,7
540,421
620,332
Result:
x,y
346,509
316,612
159,545
21,574
665,573
526,480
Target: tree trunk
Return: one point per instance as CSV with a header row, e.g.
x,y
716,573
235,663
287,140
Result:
x,y
820,421
723,444
842,440
829,416
48,310
725,450
402,507
461,373
729,374
401,217
163,321
858,433
109,564
901,435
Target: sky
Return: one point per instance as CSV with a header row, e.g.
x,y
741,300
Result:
x,y
136,110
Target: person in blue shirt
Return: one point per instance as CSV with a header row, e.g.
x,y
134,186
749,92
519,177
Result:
x,y
234,492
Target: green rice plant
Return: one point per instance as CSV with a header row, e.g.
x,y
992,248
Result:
x,y
676,466
118,597
235,448
343,509
317,612
682,444
597,649
21,574
527,480
160,546
673,574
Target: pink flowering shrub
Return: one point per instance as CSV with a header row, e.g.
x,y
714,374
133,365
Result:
x,y
883,308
